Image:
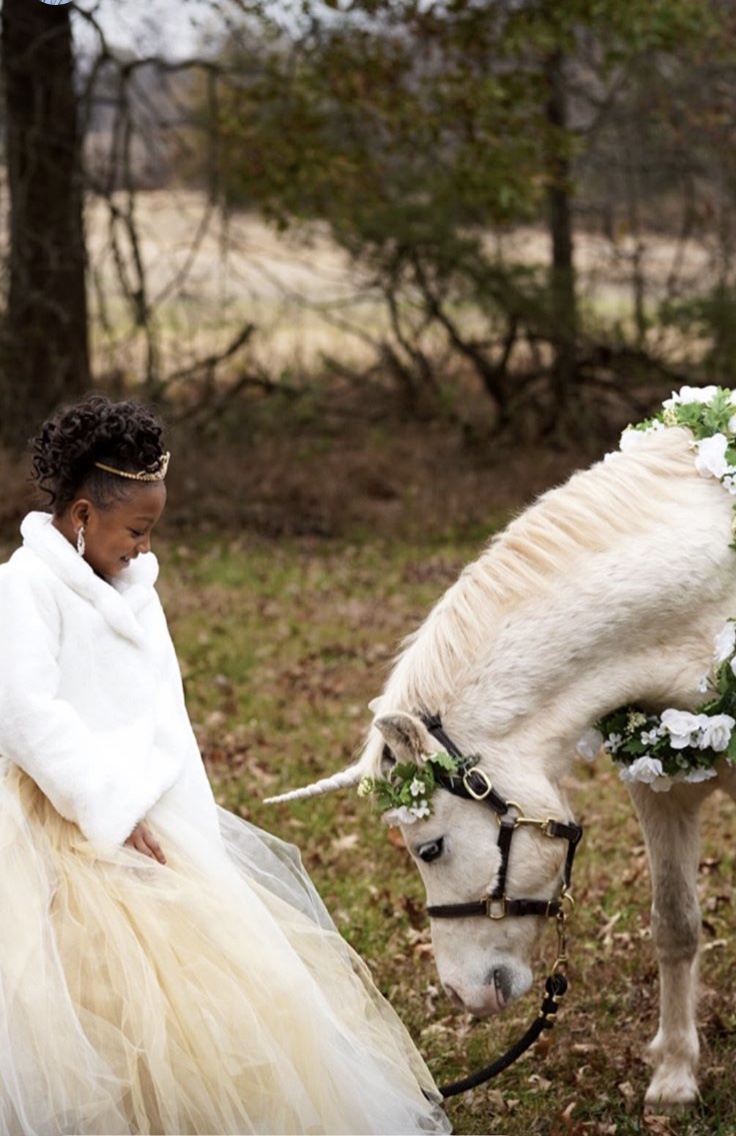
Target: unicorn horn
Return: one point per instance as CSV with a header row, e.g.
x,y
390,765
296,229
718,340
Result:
x,y
345,779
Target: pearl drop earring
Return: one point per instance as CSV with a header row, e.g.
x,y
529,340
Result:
x,y
81,544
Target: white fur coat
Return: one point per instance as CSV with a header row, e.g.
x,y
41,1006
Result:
x,y
91,700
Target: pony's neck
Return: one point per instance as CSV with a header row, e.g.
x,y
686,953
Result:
x,y
556,624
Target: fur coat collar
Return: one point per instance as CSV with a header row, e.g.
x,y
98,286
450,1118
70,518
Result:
x,y
121,601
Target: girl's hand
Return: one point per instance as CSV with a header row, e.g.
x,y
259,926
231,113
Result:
x,y
143,840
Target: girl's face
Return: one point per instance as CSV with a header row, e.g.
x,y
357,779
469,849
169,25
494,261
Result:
x,y
118,534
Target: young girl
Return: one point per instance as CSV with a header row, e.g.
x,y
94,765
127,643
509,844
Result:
x,y
164,966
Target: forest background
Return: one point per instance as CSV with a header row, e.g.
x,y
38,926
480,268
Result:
x,y
388,270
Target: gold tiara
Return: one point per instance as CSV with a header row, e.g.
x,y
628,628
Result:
x,y
159,475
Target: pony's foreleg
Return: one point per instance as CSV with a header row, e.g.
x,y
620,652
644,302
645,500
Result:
x,y
671,831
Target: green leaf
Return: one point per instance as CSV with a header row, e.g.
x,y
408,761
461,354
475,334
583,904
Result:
x,y
444,761
731,747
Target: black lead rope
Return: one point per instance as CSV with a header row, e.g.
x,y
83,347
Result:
x,y
555,988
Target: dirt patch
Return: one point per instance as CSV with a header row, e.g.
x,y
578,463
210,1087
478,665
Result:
x,y
355,469
392,478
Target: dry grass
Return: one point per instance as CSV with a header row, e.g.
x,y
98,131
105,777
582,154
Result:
x,y
206,275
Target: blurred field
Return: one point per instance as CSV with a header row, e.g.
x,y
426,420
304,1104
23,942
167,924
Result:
x,y
205,274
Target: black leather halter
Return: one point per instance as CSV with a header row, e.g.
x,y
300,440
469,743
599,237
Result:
x,y
474,784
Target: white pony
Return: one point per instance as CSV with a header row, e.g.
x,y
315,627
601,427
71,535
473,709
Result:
x,y
608,591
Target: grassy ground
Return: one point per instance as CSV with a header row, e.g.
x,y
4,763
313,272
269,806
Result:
x,y
283,643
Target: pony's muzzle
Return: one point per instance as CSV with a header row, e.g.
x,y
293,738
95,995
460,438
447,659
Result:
x,y
502,984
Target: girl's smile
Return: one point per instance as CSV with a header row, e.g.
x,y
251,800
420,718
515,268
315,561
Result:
x,y
118,533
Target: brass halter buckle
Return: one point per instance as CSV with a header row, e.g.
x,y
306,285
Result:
x,y
496,908
488,784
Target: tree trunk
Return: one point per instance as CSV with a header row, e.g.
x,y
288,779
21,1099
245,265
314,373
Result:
x,y
45,357
562,270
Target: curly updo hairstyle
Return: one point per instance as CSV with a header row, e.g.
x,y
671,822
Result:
x,y
126,435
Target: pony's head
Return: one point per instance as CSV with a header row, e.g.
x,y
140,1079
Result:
x,y
492,841
494,867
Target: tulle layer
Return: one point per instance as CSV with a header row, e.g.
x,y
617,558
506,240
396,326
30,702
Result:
x,y
208,995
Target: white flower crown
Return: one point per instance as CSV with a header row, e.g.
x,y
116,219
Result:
x,y
405,794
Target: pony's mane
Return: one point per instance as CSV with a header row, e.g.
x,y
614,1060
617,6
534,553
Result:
x,y
622,494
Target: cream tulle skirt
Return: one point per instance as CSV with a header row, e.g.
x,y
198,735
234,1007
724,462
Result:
x,y
208,995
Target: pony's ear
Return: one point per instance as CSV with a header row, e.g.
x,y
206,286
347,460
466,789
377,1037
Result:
x,y
406,735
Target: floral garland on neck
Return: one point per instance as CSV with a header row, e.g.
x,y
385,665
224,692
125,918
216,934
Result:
x,y
679,745
709,413
676,745
405,796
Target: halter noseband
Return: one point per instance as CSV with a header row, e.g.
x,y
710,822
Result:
x,y
473,784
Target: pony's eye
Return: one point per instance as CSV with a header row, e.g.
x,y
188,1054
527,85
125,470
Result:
x,y
432,850
388,760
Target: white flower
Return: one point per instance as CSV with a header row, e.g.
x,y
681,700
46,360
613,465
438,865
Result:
x,y
646,769
715,731
632,439
699,774
691,394
407,815
649,737
711,458
724,643
365,787
732,420
613,743
728,481
417,788
682,726
399,816
589,745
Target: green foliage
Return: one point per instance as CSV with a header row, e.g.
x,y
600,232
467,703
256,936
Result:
x,y
408,787
704,412
419,133
416,116
708,321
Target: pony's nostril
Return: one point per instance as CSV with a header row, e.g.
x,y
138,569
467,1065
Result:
x,y
501,982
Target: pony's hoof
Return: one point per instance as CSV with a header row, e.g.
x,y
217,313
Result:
x,y
667,1108
671,1092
